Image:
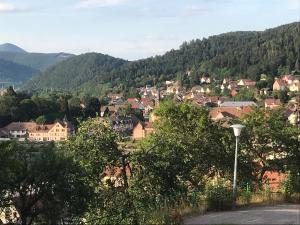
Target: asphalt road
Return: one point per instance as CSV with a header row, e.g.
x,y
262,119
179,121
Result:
x,y
279,214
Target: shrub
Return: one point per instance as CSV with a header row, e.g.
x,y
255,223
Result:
x,y
218,194
290,185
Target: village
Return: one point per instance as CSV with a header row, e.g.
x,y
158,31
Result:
x,y
134,118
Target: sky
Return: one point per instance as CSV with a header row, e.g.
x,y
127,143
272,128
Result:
x,y
132,29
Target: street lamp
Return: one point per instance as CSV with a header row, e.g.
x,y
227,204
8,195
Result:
x,y
237,129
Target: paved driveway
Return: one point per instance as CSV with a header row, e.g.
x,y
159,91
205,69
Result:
x,y
279,214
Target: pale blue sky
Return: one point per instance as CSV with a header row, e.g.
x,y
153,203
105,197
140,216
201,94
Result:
x,y
132,29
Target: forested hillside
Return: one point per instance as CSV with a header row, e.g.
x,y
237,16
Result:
x,y
235,54
76,71
12,72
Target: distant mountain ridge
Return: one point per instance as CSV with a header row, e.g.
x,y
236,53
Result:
x,y
37,61
8,47
13,58
234,54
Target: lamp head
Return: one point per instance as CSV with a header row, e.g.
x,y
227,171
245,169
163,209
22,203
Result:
x,y
237,129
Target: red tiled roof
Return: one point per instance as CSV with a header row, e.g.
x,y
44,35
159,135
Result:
x,y
272,101
135,106
231,112
132,100
288,77
147,101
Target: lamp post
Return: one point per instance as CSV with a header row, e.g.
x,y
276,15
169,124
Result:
x,y
237,129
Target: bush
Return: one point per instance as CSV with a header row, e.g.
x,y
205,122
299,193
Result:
x,y
218,194
290,185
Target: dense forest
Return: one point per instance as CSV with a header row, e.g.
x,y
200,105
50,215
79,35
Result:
x,y
13,72
75,72
235,54
45,107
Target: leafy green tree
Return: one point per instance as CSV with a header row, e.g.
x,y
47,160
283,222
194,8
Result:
x,y
41,120
245,94
40,183
282,95
185,146
95,147
267,134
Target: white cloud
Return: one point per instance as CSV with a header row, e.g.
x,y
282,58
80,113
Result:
x,y
6,7
86,4
10,8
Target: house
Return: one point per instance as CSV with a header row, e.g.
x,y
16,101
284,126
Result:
x,y
272,103
174,89
132,100
279,85
237,104
137,106
142,130
147,101
289,82
205,90
123,123
110,109
221,113
189,96
114,96
264,91
168,82
288,79
232,85
196,89
18,130
294,86
59,131
246,83
205,80
225,81
32,131
234,92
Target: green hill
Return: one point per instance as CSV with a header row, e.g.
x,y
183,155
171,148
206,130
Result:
x,y
234,54
73,73
12,72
